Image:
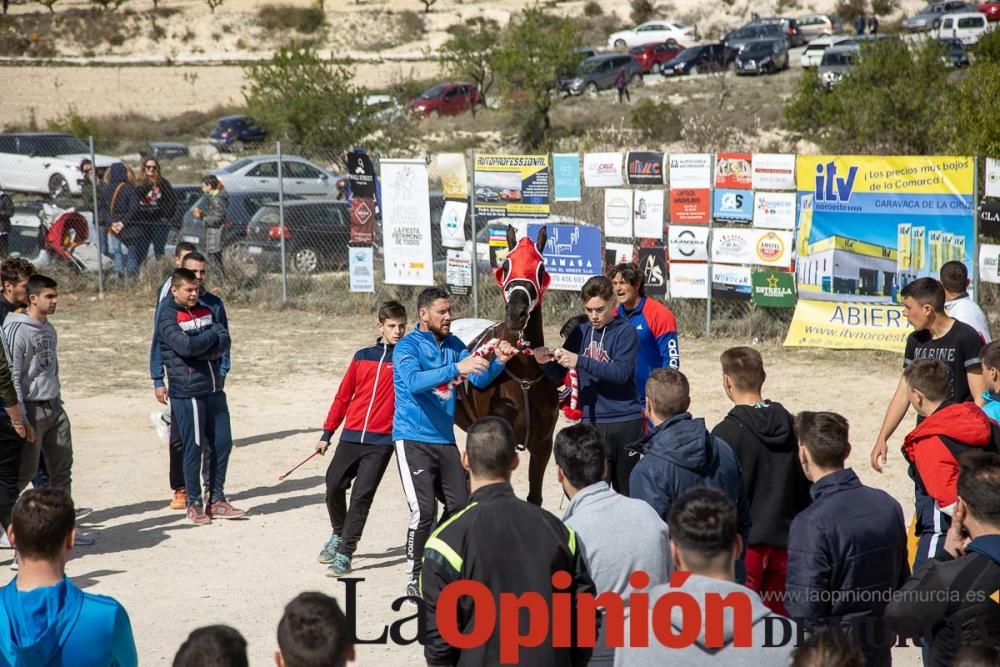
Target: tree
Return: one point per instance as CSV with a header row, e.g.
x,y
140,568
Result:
x,y
212,4
427,5
108,4
309,103
48,4
468,53
967,127
536,50
642,11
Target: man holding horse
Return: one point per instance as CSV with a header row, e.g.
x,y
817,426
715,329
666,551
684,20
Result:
x,y
428,365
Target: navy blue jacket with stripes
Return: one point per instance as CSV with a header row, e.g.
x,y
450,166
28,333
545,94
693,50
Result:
x,y
192,344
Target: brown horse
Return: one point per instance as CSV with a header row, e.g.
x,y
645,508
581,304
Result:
x,y
522,394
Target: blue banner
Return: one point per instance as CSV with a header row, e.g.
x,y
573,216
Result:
x,y
732,205
566,169
572,254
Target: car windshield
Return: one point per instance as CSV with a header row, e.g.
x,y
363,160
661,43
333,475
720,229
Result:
x,y
435,92
56,144
267,215
837,59
689,53
239,164
637,50
758,48
590,64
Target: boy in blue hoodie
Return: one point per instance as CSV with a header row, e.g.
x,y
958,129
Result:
x,y
45,619
991,378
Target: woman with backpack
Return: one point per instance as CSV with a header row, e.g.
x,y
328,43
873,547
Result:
x,y
118,202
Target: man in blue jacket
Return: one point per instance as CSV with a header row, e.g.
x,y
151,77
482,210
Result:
x,y
424,365
193,343
45,619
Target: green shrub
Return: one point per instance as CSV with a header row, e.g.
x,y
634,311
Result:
x,y
656,121
279,18
411,26
592,8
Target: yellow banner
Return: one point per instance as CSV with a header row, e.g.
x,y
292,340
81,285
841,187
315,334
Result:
x,y
454,178
838,176
848,326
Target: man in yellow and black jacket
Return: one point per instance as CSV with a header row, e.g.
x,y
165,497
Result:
x,y
507,545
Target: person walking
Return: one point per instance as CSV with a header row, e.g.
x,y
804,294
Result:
x,y
859,24
157,204
621,83
119,206
873,25
213,217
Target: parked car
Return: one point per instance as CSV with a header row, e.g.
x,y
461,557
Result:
x,y
818,25
991,9
186,195
600,73
317,233
653,31
765,56
383,108
813,53
298,176
651,56
241,209
231,133
968,27
923,20
955,54
789,26
735,40
165,150
697,60
445,99
487,195
837,62
44,162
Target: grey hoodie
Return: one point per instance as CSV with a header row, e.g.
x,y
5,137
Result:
x,y
698,653
31,351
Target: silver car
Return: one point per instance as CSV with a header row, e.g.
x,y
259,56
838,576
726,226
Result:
x,y
298,175
837,61
924,20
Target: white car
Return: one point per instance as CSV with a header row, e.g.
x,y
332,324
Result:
x,y
812,56
260,173
653,31
968,27
44,162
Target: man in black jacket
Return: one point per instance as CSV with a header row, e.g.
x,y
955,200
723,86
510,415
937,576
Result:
x,y
952,599
762,435
14,275
507,545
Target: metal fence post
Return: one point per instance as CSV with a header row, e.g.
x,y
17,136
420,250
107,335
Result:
x,y
708,301
97,223
475,241
281,227
974,252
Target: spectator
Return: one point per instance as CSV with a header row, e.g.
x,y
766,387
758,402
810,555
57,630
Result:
x,y
653,322
762,435
313,631
829,647
213,217
213,646
705,541
991,378
506,544
958,304
425,362
873,25
87,186
680,453
157,203
46,618
14,274
605,520
6,213
192,356
950,597
859,24
119,206
15,434
846,551
366,400
621,83
604,350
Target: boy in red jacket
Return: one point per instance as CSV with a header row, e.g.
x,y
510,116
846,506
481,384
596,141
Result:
x,y
364,403
933,448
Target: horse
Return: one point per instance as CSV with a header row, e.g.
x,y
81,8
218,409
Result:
x,y
522,394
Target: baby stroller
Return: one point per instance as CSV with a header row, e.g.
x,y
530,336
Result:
x,y
63,237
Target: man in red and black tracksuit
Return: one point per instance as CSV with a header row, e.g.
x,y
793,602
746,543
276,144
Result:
x,y
365,405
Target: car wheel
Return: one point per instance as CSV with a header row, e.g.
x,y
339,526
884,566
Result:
x,y
635,80
620,44
305,260
592,88
58,187
655,69
693,70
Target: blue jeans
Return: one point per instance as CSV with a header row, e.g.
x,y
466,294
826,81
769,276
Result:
x,y
113,247
158,233
204,422
136,255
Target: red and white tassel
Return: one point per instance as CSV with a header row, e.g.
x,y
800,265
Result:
x,y
444,391
572,412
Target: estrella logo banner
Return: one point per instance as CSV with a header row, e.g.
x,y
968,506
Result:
x,y
870,225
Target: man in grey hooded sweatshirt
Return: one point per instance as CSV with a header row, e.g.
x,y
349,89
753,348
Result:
x,y
733,627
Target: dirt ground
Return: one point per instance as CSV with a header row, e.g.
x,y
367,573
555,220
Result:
x,y
173,577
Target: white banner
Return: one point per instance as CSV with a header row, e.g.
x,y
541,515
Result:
x,y
647,208
691,171
361,266
622,252
752,246
453,224
458,271
602,170
992,177
689,281
773,171
688,243
738,276
618,213
774,210
406,223
989,259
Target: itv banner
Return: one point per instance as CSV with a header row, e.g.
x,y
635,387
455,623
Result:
x,y
848,326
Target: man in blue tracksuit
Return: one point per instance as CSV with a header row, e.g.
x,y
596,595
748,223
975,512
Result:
x,y
192,343
425,362
45,619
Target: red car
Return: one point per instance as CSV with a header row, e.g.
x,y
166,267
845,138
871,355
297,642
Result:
x,y
510,195
651,56
445,99
991,9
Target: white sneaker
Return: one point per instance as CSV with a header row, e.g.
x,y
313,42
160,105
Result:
x,y
4,540
161,423
84,539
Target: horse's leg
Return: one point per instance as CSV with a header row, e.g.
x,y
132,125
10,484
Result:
x,y
540,449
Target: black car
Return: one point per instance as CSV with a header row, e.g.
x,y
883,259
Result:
x,y
165,150
765,56
241,209
753,32
186,195
955,55
697,60
793,34
231,132
317,233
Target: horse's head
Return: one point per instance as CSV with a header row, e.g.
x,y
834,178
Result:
x,y
522,277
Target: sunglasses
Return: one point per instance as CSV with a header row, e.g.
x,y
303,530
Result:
x,y
152,167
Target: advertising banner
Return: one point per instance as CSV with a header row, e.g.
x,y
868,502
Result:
x,y
732,205
497,245
865,223
774,210
566,171
362,220
644,168
690,171
361,267
618,253
602,170
848,326
688,281
647,209
618,213
730,282
406,223
512,185
687,244
653,264
989,218
572,254
453,224
773,289
773,171
458,272
732,170
752,246
992,177
361,173
454,177
690,206
989,263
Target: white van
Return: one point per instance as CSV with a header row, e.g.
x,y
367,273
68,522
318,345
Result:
x,y
966,26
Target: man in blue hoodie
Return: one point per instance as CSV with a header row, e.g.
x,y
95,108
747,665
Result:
x,y
425,363
45,619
